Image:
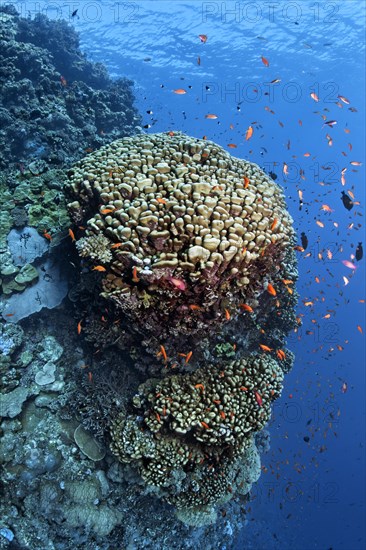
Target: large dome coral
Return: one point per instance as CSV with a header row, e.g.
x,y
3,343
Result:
x,y
190,232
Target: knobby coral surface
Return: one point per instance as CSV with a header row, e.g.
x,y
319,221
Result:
x,y
190,242
190,232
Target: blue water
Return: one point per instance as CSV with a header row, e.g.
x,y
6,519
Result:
x,y
311,495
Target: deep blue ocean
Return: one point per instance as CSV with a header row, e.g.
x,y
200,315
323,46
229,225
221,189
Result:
x,y
287,69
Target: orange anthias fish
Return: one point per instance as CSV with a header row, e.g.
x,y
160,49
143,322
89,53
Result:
x,y
314,96
211,116
135,278
246,308
274,223
180,91
249,133
47,236
99,268
271,290
203,38
107,210
163,353
71,233
264,347
265,61
258,398
188,356
227,315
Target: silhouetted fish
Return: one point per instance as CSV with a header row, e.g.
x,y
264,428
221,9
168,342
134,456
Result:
x,y
304,241
347,203
359,252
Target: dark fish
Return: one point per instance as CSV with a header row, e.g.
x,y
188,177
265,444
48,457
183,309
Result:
x,y
306,439
347,203
272,175
74,13
359,252
304,241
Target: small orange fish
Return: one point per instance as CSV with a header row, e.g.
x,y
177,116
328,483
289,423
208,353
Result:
x,y
264,347
188,356
161,201
180,91
246,308
71,233
223,415
63,81
158,417
321,224
200,387
246,182
227,315
356,163
274,223
79,327
359,328
135,278
194,307
116,245
90,377
314,96
287,282
47,236
163,353
107,210
271,290
249,133
204,425
265,61
258,398
281,354
232,145
211,116
99,268
203,38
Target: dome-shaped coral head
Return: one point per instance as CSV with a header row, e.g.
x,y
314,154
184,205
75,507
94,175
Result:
x,y
189,232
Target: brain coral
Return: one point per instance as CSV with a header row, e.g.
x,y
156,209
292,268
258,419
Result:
x,y
190,232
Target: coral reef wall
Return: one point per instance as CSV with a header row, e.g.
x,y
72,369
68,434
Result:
x,y
54,103
191,251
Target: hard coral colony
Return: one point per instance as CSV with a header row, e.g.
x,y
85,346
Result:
x,y
208,239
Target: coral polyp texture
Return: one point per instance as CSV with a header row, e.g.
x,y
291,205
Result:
x,y
184,231
197,428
